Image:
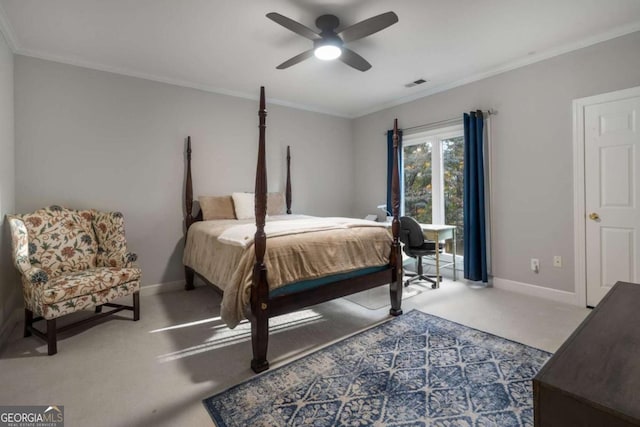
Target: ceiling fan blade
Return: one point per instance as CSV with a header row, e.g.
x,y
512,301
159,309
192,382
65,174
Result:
x,y
292,25
368,27
298,58
354,60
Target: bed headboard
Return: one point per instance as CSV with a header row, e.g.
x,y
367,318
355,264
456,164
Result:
x,y
188,191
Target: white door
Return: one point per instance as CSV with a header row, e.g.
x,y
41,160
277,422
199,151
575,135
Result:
x,y
612,194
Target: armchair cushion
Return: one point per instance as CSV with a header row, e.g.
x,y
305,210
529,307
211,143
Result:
x,y
81,302
85,282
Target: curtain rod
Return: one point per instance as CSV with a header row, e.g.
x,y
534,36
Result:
x,y
442,123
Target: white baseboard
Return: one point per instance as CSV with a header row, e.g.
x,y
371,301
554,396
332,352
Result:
x,y
160,288
537,291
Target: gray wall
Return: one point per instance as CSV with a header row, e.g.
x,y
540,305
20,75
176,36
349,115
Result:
x,y
88,138
532,207
9,285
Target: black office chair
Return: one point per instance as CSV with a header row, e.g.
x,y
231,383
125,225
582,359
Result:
x,y
416,247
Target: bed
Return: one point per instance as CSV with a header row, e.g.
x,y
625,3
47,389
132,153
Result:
x,y
310,260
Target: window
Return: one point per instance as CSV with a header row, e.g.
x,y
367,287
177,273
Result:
x,y
433,170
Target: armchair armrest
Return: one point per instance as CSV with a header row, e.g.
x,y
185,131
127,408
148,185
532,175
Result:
x,y
36,276
130,258
19,244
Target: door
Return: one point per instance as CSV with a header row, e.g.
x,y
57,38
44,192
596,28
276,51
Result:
x,y
612,194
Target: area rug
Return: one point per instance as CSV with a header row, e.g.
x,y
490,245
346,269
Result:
x,y
414,370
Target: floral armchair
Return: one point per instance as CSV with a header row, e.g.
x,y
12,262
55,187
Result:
x,y
72,260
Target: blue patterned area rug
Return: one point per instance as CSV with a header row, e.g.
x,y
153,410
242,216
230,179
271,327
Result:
x,y
414,370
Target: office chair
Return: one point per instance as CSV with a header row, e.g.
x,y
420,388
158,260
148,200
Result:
x,y
416,247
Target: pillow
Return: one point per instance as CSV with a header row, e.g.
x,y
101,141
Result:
x,y
244,204
275,204
216,207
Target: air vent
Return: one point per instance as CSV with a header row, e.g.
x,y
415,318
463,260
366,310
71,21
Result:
x,y
416,83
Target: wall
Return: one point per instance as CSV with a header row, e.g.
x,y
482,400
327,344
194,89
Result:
x,y
9,285
88,138
532,205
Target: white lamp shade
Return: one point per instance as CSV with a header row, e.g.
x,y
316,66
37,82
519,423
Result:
x,y
327,52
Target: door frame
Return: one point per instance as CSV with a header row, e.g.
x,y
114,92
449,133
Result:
x,y
579,208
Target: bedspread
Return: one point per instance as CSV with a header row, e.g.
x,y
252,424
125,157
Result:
x,y
288,258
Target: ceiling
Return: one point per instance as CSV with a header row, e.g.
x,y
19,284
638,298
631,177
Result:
x,y
230,47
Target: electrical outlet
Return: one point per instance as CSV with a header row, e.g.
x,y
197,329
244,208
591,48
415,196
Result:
x,y
557,261
535,265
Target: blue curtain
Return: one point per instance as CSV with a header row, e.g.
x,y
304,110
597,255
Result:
x,y
390,167
475,239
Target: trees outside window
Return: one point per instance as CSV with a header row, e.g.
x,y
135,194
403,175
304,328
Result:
x,y
433,167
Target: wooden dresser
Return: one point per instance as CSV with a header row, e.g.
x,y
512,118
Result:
x,y
594,378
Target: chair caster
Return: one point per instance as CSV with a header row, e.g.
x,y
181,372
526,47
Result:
x,y
434,286
406,283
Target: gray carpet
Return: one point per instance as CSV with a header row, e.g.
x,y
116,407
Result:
x,y
156,371
377,298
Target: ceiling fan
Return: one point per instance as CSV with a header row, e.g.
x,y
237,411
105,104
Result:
x,y
327,44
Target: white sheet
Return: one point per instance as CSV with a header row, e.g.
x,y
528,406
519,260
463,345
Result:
x,y
243,234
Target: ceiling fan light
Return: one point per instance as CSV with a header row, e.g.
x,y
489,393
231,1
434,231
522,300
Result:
x,y
327,52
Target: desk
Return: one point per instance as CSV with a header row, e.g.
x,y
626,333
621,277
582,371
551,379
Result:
x,y
437,233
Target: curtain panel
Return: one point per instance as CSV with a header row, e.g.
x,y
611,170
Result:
x,y
475,227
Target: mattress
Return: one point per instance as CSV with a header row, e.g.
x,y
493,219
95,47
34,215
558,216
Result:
x,y
304,253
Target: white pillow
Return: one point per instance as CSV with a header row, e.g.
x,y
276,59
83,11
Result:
x,y
244,204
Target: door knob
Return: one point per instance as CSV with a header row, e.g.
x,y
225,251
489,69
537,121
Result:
x,y
594,216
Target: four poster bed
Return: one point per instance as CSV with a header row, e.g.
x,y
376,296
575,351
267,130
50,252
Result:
x,y
310,260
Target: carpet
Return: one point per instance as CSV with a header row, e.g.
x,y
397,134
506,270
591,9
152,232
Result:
x,y
414,370
376,298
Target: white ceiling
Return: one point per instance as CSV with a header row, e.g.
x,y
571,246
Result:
x,y
230,47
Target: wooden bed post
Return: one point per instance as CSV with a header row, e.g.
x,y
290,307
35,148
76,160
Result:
x,y
259,285
288,187
395,259
188,220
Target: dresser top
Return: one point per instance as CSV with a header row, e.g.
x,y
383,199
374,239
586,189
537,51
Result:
x,y
600,362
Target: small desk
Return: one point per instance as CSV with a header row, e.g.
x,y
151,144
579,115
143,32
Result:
x,y
437,233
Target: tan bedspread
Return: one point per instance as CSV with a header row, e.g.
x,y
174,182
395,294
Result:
x,y
289,259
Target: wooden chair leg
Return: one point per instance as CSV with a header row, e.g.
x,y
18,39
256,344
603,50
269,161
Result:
x,y
189,276
52,344
28,321
98,309
136,306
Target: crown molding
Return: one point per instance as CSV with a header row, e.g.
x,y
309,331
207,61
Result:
x,y
7,30
174,82
9,34
512,65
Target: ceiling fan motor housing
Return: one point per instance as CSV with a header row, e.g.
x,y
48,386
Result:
x,y
327,23
328,36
